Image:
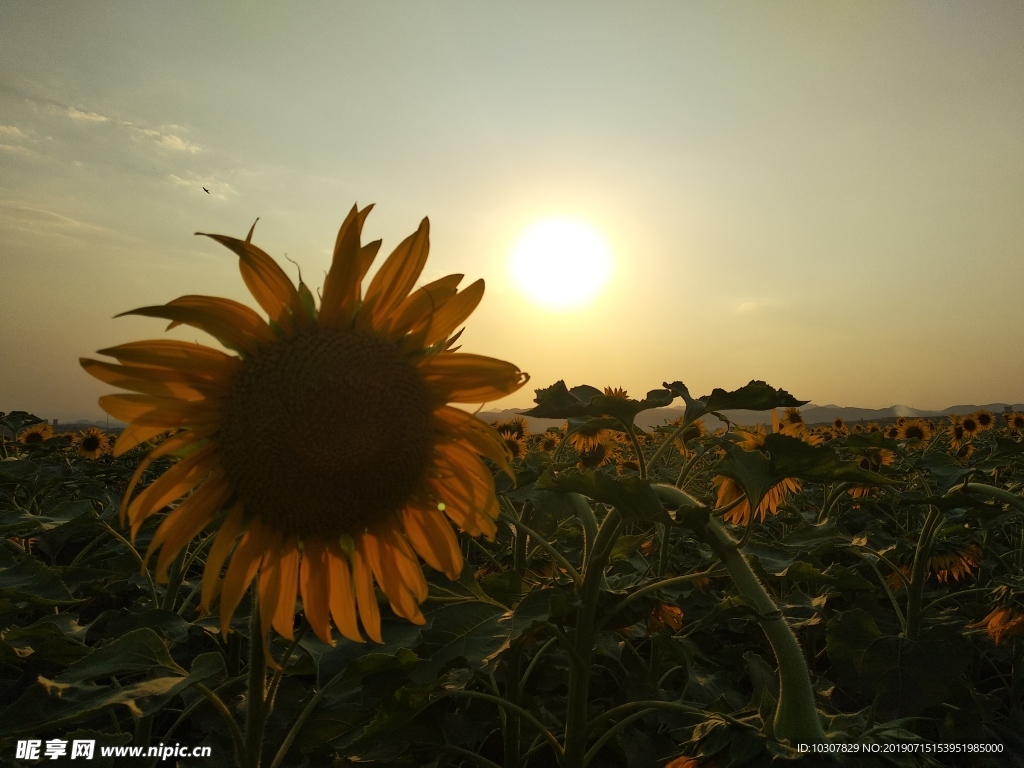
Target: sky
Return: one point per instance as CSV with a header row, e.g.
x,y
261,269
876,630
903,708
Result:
x,y
827,197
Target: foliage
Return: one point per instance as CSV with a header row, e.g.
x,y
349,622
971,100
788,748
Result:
x,y
615,620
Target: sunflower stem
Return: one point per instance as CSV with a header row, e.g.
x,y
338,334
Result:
x,y
523,530
174,581
257,685
579,662
631,431
796,717
919,571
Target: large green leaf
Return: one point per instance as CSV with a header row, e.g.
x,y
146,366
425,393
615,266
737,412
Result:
x,y
792,457
30,580
138,651
24,523
558,402
471,631
632,496
755,396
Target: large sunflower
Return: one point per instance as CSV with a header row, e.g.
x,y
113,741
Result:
x,y
326,448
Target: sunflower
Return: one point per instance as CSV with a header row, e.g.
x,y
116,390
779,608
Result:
x,y
326,447
515,444
1015,422
986,419
588,438
693,431
915,431
516,425
548,441
792,421
859,429
950,559
92,443
618,392
597,456
892,431
36,433
839,428
872,463
970,426
872,427
728,491
957,438
1002,623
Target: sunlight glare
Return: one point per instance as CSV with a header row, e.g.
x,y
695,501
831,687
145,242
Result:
x,y
561,262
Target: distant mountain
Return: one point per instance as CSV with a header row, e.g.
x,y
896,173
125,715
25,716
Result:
x,y
813,414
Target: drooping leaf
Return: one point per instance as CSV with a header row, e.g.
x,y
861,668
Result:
x,y
792,457
755,396
558,402
632,496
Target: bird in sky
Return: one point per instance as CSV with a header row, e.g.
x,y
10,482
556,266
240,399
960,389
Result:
x,y
206,190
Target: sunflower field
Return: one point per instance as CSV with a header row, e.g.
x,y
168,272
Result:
x,y
299,554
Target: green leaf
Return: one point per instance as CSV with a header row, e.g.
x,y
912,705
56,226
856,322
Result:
x,y
944,468
138,651
847,637
24,523
31,580
557,402
792,457
755,396
539,606
632,496
625,546
470,631
751,470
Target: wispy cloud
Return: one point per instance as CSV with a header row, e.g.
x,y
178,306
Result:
x,y
219,190
29,218
12,130
15,149
163,139
747,306
78,114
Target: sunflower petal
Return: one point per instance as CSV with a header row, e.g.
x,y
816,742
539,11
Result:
x,y
234,325
448,317
481,437
366,599
284,610
171,444
461,377
162,382
341,286
170,486
197,359
419,307
315,588
432,537
222,546
241,571
266,281
397,276
342,599
187,521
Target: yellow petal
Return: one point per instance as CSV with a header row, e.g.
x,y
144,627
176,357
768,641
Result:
x,y
464,378
163,382
450,316
433,538
342,595
234,325
397,276
219,552
182,355
186,522
171,444
366,599
244,564
171,486
418,309
266,281
481,437
341,286
315,589
284,610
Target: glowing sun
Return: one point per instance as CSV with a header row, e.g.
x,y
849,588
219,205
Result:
x,y
560,262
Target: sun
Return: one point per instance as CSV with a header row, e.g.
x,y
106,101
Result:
x,y
560,262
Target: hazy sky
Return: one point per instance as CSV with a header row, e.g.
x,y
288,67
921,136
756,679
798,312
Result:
x,y
827,196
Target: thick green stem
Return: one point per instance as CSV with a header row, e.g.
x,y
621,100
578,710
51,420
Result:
x,y
796,718
579,663
257,687
919,571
